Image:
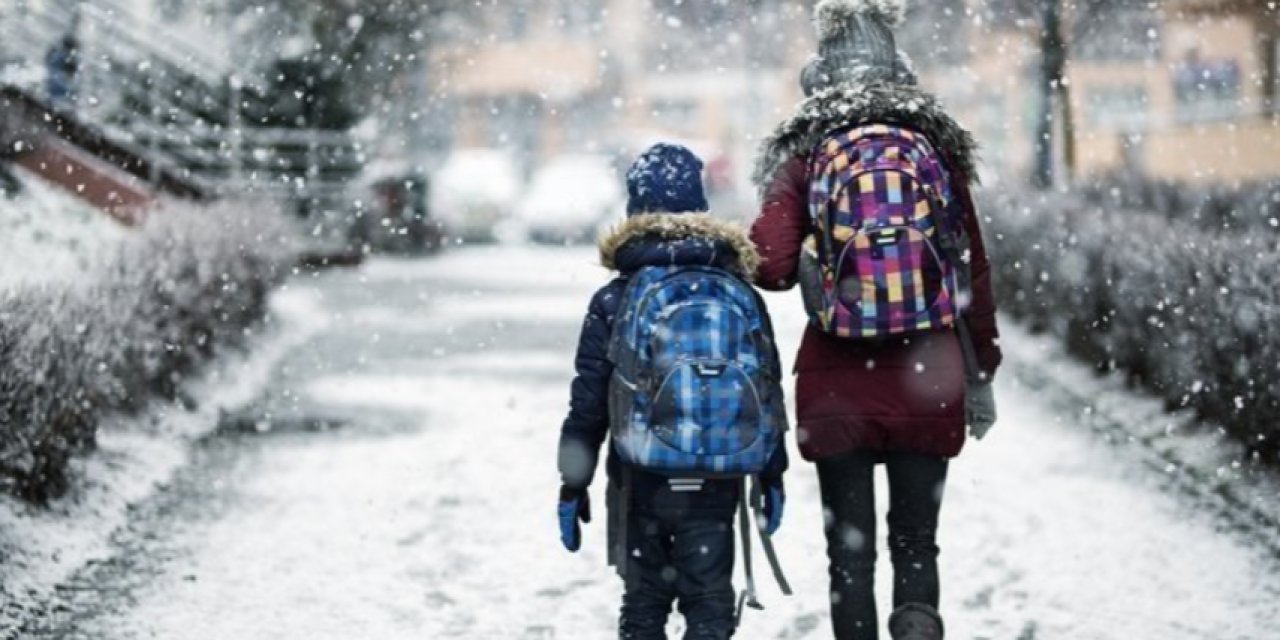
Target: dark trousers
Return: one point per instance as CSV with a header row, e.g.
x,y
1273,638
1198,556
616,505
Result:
x,y
915,496
685,557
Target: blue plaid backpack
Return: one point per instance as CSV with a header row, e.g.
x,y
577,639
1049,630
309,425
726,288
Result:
x,y
695,390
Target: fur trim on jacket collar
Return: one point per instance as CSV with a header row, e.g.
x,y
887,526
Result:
x,y
679,226
873,99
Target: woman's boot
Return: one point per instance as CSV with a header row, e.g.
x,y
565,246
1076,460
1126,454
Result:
x,y
915,622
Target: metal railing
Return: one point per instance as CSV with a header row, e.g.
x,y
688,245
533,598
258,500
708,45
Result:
x,y
181,106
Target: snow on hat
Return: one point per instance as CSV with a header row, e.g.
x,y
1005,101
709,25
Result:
x,y
665,179
854,37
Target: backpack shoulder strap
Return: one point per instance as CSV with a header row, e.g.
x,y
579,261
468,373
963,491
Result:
x,y
967,349
623,323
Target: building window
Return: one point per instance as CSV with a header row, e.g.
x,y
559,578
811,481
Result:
x,y
1206,89
580,17
697,35
169,9
1116,107
699,15
676,116
517,23
1107,30
1273,72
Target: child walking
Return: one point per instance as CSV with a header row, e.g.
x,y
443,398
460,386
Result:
x,y
676,364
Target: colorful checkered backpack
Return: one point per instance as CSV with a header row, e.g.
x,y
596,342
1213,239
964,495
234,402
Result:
x,y
696,386
885,257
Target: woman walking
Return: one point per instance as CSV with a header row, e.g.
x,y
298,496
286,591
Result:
x,y
866,204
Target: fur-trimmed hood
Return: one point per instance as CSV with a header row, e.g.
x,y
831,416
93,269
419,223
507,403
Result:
x,y
679,238
873,98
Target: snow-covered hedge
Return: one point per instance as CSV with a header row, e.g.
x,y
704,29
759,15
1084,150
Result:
x,y
1213,205
1188,312
191,282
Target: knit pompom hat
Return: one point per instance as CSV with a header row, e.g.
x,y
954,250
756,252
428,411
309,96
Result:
x,y
666,179
855,38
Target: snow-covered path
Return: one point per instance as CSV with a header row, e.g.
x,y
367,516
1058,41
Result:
x,y
406,483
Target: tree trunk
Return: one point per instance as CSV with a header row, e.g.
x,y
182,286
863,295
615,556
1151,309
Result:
x,y
1053,61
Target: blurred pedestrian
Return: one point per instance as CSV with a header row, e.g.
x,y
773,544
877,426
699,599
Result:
x,y
866,205
62,63
676,364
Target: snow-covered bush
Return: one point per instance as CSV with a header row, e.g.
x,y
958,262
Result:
x,y
190,283
1186,311
47,233
1213,205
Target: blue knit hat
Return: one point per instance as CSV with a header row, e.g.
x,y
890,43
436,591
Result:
x,y
665,179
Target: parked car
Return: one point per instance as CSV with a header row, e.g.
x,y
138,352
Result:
x,y
396,218
569,199
474,191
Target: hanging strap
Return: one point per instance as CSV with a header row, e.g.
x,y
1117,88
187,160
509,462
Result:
x,y
748,596
766,540
971,367
624,498
752,503
955,246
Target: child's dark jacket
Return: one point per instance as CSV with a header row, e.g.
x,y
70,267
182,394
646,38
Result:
x,y
646,240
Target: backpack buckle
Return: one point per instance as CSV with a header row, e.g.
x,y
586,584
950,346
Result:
x,y
682,485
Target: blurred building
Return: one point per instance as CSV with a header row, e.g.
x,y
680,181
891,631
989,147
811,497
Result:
x,y
1194,100
982,60
1181,90
541,78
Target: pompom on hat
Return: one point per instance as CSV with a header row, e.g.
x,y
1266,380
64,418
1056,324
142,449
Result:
x,y
833,17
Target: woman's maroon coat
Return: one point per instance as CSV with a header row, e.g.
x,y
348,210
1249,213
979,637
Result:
x,y
906,395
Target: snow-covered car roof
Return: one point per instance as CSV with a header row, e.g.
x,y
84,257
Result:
x,y
478,174
572,189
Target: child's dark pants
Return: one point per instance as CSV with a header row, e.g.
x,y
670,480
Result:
x,y
684,557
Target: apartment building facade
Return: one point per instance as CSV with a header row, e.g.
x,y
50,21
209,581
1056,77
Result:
x,y
609,76
1182,90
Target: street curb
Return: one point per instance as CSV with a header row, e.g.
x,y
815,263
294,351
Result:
x,y
317,260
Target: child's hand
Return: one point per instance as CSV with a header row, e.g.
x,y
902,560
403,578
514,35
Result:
x,y
575,505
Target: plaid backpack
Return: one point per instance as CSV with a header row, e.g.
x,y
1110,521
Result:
x,y
885,257
696,386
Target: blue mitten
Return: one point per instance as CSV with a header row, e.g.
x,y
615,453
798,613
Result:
x,y
774,501
575,506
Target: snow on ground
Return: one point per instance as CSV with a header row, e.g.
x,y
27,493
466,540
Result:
x,y
1199,457
48,234
41,547
429,510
